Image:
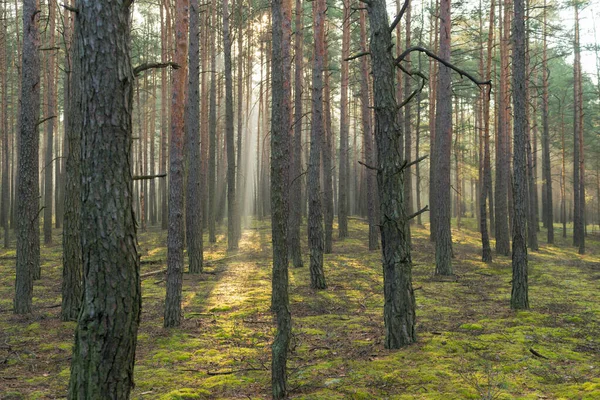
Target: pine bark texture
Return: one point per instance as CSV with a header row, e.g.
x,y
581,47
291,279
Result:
x,y
27,202
442,148
212,123
193,203
344,127
519,295
49,125
280,149
106,335
548,208
175,238
399,306
315,215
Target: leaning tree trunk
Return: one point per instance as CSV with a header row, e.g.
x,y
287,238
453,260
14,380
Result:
x,y
28,227
519,296
315,215
399,308
193,203
106,335
443,145
175,238
280,148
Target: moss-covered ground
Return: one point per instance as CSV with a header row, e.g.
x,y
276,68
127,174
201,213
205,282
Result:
x,y
470,344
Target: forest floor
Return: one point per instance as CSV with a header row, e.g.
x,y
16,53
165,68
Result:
x,y
470,344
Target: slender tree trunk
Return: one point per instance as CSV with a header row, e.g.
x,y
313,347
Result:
x,y
502,175
232,230
578,158
399,306
72,253
368,138
433,87
50,112
164,33
27,202
519,295
327,152
443,144
175,238
212,146
344,126
240,97
295,216
106,335
193,203
4,121
280,147
315,216
548,216
408,198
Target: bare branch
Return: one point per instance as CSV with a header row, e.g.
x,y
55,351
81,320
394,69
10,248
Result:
x,y
354,57
72,9
145,177
46,119
400,15
430,54
421,211
407,165
140,68
369,166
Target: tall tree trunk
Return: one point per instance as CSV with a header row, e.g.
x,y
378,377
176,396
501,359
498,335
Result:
x,y
50,113
164,33
578,159
212,123
548,216
368,138
315,216
486,255
280,147
408,198
240,97
295,216
399,306
443,145
502,162
106,335
4,121
433,87
193,203
175,238
72,253
519,296
232,229
27,202
344,126
327,151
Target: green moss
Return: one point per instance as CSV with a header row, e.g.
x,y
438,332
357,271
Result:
x,y
186,394
171,357
220,309
472,327
34,327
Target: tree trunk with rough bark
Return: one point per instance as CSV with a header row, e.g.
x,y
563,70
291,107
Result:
x,y
27,201
519,295
548,208
315,215
175,238
344,126
280,147
399,306
106,335
193,203
443,145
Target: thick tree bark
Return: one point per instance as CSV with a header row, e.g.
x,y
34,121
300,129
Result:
x,y
27,202
193,203
175,238
344,126
315,216
519,295
399,307
368,138
295,211
106,335
443,145
280,147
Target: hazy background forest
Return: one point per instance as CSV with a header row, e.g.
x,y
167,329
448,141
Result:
x,y
164,163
